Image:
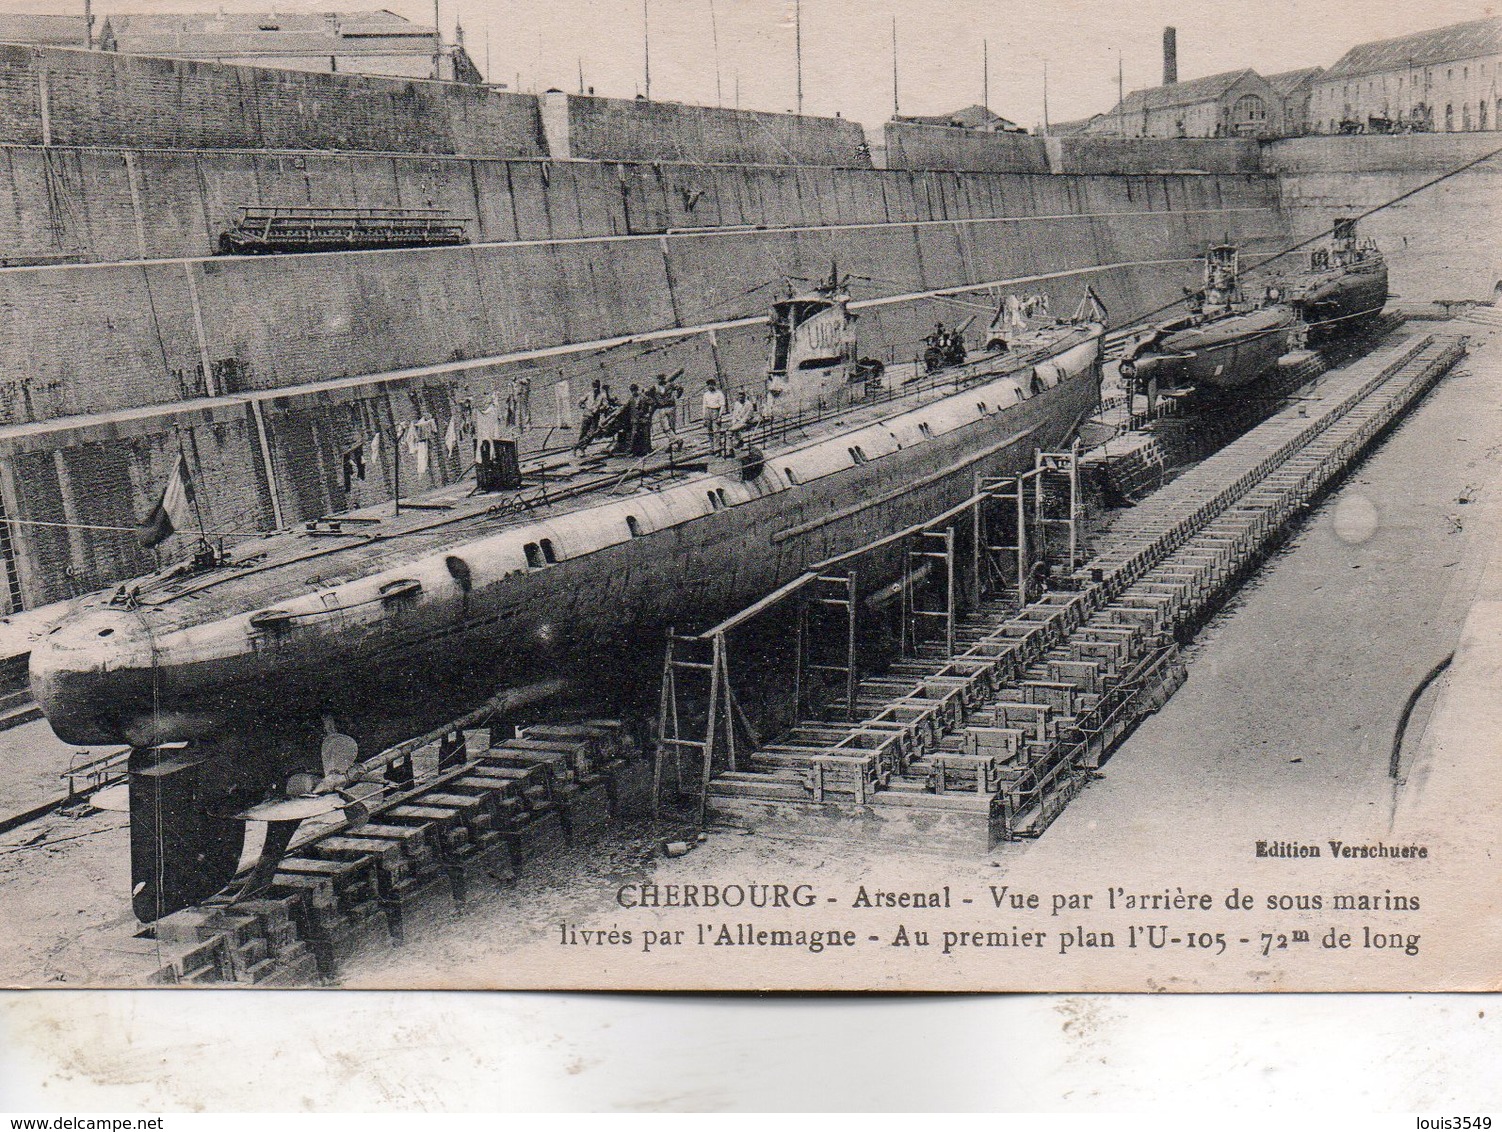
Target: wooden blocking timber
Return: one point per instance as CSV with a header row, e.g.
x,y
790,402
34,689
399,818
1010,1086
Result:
x,y
1059,697
418,846
1149,619
631,787
1129,640
1036,751
1034,719
478,811
954,770
1069,609
353,882
1001,744
402,889
617,741
191,926
543,834
505,797
206,962
394,872
532,785
835,774
949,694
451,833
558,765
918,720
591,807
275,918
599,744
568,760
1085,675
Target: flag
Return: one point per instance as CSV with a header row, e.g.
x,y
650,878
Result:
x,y
171,513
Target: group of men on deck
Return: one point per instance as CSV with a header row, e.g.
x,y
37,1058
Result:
x,y
630,423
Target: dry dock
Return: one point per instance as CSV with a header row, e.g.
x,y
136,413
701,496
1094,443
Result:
x,y
1282,729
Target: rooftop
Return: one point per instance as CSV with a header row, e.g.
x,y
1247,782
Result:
x,y
270,32
1186,93
1286,82
49,30
1422,49
970,118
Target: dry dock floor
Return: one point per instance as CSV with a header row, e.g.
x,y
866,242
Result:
x,y
1282,732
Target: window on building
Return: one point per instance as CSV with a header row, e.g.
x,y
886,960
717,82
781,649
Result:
x,y
1497,118
1449,118
1248,114
1465,115
1481,115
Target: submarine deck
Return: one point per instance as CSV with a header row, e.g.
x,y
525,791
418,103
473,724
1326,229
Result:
x,y
556,483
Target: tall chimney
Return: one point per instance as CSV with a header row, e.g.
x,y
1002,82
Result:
x,y
1170,56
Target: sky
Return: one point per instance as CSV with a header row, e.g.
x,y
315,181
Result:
x,y
847,45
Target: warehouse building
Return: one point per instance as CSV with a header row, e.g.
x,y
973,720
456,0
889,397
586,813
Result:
x,y
1233,104
1296,90
1445,79
366,43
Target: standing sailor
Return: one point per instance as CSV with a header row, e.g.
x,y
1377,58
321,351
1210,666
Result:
x,y
642,407
714,409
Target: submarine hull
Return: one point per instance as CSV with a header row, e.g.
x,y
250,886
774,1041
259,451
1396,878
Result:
x,y
571,623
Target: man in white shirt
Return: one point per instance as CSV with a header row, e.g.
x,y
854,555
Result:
x,y
714,410
743,418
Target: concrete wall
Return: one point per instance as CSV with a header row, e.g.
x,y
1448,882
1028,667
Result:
x,y
105,474
154,332
915,145
1153,155
82,204
67,97
1440,243
638,130
911,145
103,366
